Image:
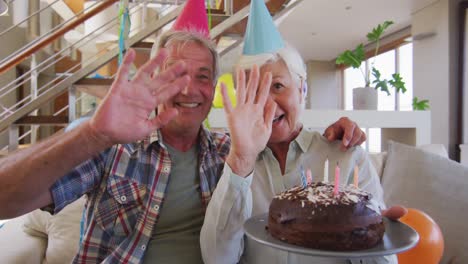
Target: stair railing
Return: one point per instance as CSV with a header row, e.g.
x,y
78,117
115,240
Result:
x,y
47,39
53,87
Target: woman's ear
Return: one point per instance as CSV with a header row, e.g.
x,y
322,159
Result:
x,y
303,91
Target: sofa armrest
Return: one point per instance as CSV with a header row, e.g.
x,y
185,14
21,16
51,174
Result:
x,y
19,247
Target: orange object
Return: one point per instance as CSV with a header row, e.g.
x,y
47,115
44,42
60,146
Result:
x,y
430,247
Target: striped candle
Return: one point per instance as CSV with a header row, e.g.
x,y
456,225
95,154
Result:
x,y
356,176
337,179
309,177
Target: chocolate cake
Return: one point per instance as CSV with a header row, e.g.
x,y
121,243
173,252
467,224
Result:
x,y
314,217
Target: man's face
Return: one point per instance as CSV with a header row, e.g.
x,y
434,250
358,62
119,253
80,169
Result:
x,y
193,102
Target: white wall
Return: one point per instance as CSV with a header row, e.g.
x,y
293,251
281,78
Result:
x,y
435,68
323,81
465,88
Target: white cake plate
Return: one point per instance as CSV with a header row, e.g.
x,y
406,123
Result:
x,y
398,237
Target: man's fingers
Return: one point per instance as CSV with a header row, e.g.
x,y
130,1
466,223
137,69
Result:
x,y
264,89
252,84
148,68
171,73
124,69
163,118
168,90
226,101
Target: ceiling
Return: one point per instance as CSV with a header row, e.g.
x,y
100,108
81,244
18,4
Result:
x,y
321,29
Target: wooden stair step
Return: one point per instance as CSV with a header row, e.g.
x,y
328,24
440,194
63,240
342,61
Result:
x,y
143,45
43,120
94,86
95,81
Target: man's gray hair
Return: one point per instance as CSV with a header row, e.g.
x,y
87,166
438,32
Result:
x,y
170,37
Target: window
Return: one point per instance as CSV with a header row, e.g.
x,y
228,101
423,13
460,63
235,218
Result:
x,y
399,60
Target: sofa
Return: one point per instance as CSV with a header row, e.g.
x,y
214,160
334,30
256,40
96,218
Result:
x,y
422,178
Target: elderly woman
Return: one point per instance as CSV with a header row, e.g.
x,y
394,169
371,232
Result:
x,y
269,148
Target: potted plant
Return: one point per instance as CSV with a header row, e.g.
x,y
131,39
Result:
x,y
366,97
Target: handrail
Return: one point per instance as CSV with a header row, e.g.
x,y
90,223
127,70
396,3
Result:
x,y
39,39
21,57
43,65
7,111
25,19
52,92
47,94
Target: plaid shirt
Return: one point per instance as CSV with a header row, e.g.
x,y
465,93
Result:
x,y
126,187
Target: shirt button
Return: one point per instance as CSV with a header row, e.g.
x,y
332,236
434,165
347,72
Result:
x,y
143,247
123,198
156,207
166,169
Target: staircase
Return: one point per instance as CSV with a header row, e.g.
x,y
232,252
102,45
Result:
x,y
52,81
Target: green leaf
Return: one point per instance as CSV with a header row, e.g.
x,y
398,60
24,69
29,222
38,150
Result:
x,y
398,83
352,58
420,105
380,84
376,73
378,31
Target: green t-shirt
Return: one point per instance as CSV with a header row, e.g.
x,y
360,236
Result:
x,y
176,238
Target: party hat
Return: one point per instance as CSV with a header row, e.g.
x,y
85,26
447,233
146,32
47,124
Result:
x,y
261,35
193,17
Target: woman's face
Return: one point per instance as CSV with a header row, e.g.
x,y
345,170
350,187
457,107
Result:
x,y
287,94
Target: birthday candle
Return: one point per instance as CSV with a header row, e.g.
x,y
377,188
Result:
x,y
325,171
337,179
309,177
356,176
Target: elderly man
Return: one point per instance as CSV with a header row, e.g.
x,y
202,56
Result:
x,y
148,180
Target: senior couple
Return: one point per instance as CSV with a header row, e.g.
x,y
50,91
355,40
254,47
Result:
x,y
164,189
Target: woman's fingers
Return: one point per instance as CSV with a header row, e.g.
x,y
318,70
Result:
x,y
240,86
269,112
252,84
264,89
395,212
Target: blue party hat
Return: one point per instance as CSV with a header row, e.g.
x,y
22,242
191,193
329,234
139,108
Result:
x,y
261,35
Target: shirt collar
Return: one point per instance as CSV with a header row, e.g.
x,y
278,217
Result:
x,y
205,140
304,139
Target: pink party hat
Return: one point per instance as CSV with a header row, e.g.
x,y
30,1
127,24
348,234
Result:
x,y
193,18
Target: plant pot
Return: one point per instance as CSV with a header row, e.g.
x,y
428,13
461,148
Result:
x,y
365,98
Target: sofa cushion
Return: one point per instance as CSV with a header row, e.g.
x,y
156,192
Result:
x,y
378,160
18,247
436,185
61,230
438,149
35,223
